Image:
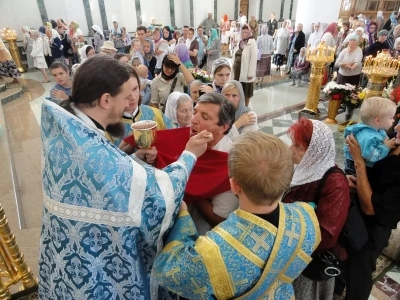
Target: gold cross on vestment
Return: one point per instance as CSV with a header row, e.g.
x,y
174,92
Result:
x,y
236,283
172,274
260,241
198,289
175,252
189,229
291,234
246,230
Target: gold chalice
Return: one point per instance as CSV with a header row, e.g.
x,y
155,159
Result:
x,y
144,133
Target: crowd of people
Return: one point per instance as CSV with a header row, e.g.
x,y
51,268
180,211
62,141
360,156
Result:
x,y
214,209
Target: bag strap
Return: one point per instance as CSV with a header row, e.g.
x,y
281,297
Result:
x,y
173,85
322,182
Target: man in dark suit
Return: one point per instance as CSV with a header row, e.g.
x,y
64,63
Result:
x,y
297,40
272,25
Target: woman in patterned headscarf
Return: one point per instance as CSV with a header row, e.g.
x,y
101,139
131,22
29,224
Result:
x,y
313,153
213,48
265,45
245,62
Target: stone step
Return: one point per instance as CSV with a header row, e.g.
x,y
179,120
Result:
x,y
2,87
10,94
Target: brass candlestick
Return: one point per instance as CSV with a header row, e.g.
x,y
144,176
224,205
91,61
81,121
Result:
x,y
378,71
319,58
11,37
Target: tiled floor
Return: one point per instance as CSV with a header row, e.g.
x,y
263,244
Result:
x,y
275,105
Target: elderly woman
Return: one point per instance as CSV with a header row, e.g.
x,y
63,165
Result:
x,y
245,118
179,109
56,46
169,81
316,179
349,63
221,73
213,49
300,68
8,68
28,42
183,53
281,43
245,62
378,190
38,54
265,44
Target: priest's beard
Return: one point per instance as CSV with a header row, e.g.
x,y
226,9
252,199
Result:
x,y
116,130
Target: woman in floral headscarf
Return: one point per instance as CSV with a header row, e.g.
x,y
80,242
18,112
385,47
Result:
x,y
245,62
265,45
213,48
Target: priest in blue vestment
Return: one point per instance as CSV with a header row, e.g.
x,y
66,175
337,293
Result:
x,y
261,247
105,213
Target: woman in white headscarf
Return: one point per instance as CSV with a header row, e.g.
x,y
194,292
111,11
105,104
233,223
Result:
x,y
98,38
265,44
380,21
179,109
281,44
28,42
245,118
86,52
319,182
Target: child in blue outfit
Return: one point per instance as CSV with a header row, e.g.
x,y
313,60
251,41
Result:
x,y
376,118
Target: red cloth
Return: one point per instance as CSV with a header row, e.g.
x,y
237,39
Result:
x,y
209,176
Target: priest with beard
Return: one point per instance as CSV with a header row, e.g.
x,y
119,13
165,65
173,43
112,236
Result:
x,y
105,213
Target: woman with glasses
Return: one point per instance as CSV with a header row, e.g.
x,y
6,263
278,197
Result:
x,y
170,80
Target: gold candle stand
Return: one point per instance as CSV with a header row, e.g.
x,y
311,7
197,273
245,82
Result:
x,y
318,58
379,70
11,37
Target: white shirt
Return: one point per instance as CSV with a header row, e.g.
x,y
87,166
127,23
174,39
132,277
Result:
x,y
223,204
315,38
243,19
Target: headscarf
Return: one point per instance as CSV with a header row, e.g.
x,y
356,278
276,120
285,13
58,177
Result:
x,y
149,56
84,51
379,14
245,40
319,157
189,41
371,38
264,30
242,109
42,30
331,28
183,53
54,34
53,24
302,58
213,36
98,30
26,28
171,106
222,61
170,37
393,19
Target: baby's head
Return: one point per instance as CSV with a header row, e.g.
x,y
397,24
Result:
x,y
135,45
142,71
136,61
378,112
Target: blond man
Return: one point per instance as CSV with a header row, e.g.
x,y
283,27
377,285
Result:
x,y
377,116
260,248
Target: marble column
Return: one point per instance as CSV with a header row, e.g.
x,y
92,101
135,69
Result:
x,y
281,11
236,9
216,17
88,13
291,9
260,10
172,12
310,11
191,13
43,12
138,12
103,15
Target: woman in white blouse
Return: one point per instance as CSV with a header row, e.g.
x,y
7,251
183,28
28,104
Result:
x,y
245,118
349,64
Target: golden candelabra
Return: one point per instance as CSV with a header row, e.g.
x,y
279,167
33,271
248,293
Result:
x,y
319,57
11,37
378,71
13,267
